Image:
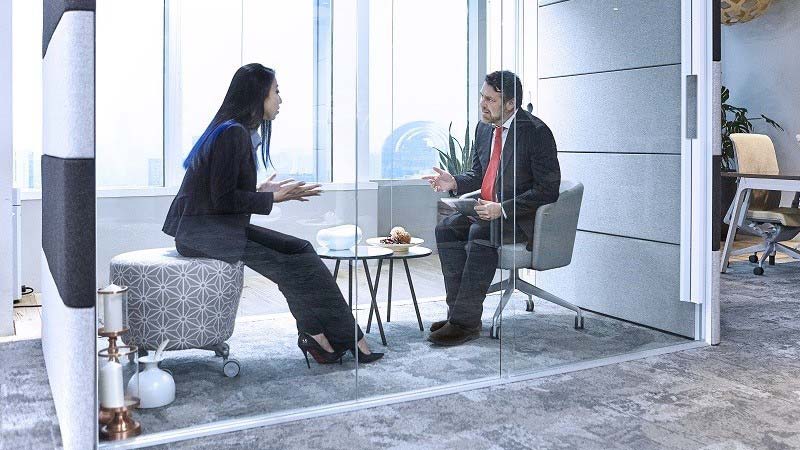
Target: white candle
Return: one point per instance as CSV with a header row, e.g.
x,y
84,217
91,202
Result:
x,y
111,391
112,312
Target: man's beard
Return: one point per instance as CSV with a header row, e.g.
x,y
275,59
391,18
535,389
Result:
x,y
493,119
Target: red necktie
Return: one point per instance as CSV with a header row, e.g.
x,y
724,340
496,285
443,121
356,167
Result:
x,y
487,187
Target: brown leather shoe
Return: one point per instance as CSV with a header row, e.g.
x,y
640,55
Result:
x,y
436,325
451,334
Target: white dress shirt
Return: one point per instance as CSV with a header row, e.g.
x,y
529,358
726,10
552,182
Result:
x,y
506,127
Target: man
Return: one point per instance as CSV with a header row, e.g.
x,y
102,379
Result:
x,y
515,166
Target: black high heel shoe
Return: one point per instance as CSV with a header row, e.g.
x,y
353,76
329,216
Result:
x,y
310,345
366,358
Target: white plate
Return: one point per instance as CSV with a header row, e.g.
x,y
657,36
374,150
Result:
x,y
399,248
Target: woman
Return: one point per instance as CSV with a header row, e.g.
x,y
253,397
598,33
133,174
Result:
x,y
210,217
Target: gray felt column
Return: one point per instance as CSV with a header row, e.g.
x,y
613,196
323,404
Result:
x,y
68,217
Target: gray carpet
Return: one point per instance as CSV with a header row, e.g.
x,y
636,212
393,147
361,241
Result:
x,y
274,376
742,394
27,412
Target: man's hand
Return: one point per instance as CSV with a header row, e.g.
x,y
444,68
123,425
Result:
x,y
273,186
488,210
442,181
298,190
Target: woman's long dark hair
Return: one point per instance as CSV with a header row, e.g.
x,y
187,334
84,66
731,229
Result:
x,y
243,104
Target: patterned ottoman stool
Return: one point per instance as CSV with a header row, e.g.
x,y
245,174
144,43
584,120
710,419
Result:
x,y
190,301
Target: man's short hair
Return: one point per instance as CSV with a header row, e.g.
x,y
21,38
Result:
x,y
508,84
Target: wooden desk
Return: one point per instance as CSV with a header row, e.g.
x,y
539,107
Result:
x,y
748,182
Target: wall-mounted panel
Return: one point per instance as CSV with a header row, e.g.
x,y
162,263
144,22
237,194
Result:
x,y
584,36
626,278
632,111
69,124
628,195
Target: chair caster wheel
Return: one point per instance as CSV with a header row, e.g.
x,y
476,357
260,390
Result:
x,y
529,306
231,368
578,323
494,332
758,271
753,258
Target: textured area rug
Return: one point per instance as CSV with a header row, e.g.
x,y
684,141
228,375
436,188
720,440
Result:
x,y
274,376
741,394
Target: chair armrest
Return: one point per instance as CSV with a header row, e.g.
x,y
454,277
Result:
x,y
473,194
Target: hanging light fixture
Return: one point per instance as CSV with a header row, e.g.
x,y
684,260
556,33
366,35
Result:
x,y
741,11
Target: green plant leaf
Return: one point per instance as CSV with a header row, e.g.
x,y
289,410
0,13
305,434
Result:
x,y
465,150
772,122
451,143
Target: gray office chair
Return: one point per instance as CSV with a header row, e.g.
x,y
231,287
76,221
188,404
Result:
x,y
765,217
553,240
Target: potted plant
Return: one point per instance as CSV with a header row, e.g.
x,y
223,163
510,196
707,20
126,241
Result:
x,y
454,161
734,120
458,159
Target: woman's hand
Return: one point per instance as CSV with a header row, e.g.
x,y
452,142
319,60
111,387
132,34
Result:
x,y
297,190
273,186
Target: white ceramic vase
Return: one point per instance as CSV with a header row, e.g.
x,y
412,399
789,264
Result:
x,y
156,386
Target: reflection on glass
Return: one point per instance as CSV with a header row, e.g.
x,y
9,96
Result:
x,y
129,119
26,72
293,142
401,257
418,84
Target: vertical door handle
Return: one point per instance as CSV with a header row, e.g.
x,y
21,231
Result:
x,y
691,106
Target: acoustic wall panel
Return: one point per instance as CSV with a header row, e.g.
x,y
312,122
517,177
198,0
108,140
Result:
x,y
585,36
609,87
626,278
53,11
628,195
68,343
631,111
68,92
68,224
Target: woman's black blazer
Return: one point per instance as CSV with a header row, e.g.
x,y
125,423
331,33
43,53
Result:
x,y
211,212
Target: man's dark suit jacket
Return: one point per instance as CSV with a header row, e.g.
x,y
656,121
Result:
x,y
538,174
211,212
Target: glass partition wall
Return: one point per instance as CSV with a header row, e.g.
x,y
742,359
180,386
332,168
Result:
x,y
500,194
600,276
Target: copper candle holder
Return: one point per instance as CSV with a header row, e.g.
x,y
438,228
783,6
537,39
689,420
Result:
x,y
121,425
112,340
117,423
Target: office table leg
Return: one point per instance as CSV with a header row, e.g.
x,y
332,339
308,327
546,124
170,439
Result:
x,y
389,297
413,296
371,307
350,283
738,201
374,302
